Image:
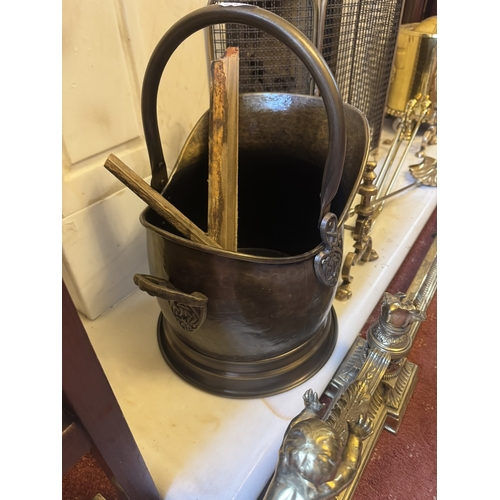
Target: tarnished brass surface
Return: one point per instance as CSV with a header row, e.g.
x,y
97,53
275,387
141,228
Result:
x,y
266,300
274,125
267,323
372,387
244,379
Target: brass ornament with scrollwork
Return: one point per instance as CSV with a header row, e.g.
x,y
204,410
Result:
x,y
327,263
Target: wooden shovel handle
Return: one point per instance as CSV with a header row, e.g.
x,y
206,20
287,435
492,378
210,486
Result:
x,y
157,202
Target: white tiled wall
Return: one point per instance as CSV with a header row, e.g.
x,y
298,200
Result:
x,y
106,47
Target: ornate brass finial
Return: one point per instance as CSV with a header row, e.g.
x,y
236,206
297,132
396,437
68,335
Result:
x,y
390,332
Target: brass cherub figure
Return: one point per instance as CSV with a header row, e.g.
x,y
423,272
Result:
x,y
312,463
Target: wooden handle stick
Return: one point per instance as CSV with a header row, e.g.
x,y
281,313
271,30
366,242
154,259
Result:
x,y
223,151
156,201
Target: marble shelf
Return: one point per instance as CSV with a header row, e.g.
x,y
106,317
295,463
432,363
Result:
x,y
199,446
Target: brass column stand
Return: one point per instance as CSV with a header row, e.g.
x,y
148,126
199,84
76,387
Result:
x,y
363,242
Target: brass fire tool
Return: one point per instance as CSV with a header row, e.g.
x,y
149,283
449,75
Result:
x,y
327,446
375,190
416,111
412,99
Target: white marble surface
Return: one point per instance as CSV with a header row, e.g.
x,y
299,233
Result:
x,y
205,447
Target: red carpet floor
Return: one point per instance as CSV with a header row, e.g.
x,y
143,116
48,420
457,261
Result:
x,y
85,480
402,466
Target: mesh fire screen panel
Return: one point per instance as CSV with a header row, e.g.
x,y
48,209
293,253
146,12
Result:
x,y
356,37
266,65
359,40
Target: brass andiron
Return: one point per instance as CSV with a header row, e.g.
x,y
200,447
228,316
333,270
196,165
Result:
x,y
363,241
322,452
327,446
392,334
315,460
